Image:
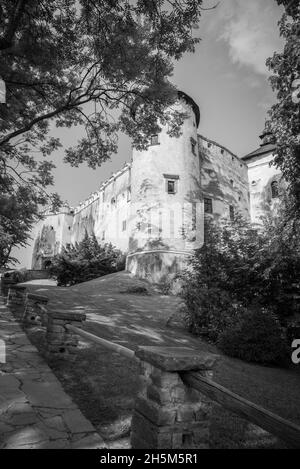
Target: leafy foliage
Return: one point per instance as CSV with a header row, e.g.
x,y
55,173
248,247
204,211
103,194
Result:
x,y
85,261
103,64
284,116
240,269
256,337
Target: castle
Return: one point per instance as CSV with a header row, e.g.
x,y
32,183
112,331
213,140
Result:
x,y
154,208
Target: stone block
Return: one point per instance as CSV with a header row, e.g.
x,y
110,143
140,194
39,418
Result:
x,y
67,316
154,437
185,413
37,298
158,395
177,358
155,413
164,379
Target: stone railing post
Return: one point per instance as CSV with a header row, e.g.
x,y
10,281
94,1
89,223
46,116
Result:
x,y
16,296
6,284
32,313
167,413
61,341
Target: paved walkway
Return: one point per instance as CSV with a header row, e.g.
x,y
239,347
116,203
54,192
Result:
x,y
35,412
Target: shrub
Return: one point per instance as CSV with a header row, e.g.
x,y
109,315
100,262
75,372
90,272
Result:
x,y
208,310
136,290
256,337
85,261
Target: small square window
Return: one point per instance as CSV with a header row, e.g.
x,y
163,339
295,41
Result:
x,y
208,206
154,140
171,186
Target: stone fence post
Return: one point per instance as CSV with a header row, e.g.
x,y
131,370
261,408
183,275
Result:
x,y
6,283
16,296
32,312
61,341
168,414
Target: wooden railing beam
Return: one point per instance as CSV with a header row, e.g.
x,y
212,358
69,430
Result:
x,y
283,429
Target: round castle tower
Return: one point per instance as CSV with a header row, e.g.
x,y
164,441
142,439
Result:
x,y
166,220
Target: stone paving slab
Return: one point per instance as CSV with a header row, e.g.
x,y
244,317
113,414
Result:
x,y
35,411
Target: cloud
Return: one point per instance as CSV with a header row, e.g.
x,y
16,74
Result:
x,y
250,30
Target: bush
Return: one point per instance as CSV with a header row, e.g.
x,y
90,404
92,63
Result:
x,y
208,310
256,337
85,261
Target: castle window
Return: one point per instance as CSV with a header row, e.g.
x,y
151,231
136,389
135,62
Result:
x,y
231,212
124,225
171,187
128,194
231,182
193,146
222,151
171,183
274,189
209,145
208,206
113,201
103,235
154,140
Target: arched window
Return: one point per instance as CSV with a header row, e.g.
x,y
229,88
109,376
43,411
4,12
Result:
x,y
274,189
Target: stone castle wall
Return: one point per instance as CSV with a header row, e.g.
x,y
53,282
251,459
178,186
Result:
x,y
224,179
137,212
261,175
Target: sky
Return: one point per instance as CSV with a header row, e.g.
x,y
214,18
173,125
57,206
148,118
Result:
x,y
226,76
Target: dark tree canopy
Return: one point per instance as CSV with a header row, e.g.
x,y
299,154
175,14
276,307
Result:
x,y
103,64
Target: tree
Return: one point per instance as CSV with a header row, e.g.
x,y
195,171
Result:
x,y
18,213
284,116
102,64
85,261
240,268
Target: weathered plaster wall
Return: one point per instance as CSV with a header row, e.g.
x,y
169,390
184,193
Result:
x,y
260,175
223,179
103,213
51,234
161,222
